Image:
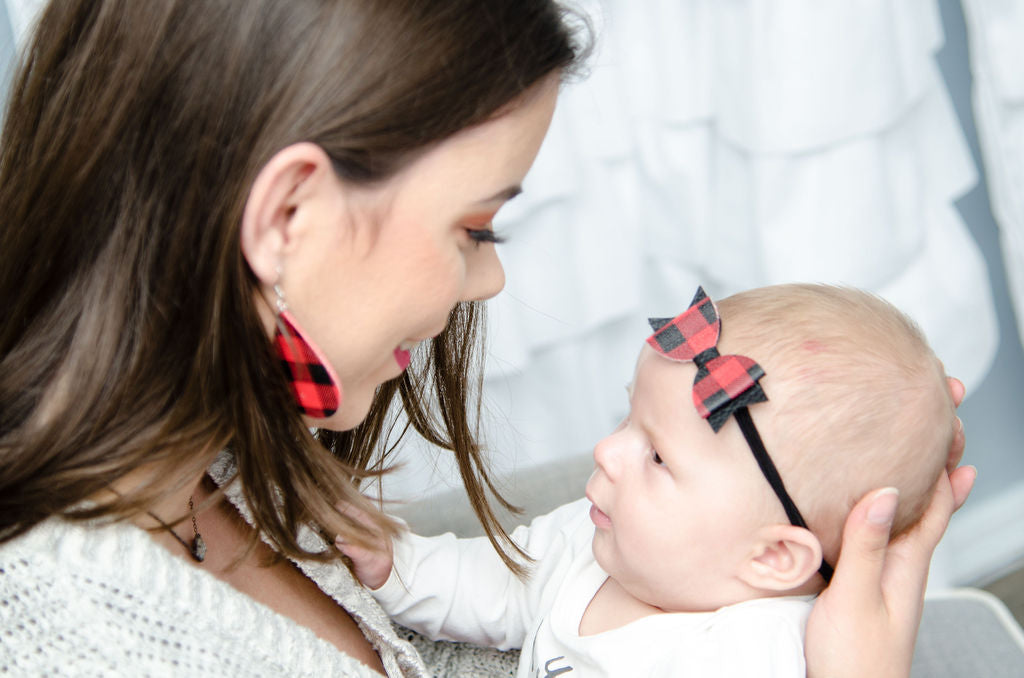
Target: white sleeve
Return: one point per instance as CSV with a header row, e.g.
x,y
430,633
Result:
x,y
459,589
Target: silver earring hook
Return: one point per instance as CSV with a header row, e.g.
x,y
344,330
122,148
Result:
x,y
281,305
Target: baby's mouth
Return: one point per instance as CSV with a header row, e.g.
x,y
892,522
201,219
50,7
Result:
x,y
600,519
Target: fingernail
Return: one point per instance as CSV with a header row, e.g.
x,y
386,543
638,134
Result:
x,y
959,425
883,507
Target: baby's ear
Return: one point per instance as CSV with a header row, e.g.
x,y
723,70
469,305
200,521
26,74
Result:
x,y
783,557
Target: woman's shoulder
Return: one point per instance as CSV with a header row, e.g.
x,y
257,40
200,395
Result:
x,y
105,598
334,579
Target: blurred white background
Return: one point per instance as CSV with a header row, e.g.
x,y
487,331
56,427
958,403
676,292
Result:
x,y
742,143
738,143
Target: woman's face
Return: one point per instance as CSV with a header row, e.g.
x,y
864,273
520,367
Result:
x,y
394,259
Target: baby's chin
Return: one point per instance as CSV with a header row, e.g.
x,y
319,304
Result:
x,y
656,595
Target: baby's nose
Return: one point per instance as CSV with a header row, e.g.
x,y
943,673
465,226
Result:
x,y
606,455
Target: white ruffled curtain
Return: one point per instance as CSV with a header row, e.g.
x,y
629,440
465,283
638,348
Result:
x,y
22,14
731,144
995,31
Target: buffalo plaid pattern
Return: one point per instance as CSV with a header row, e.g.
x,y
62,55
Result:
x,y
690,333
724,383
316,390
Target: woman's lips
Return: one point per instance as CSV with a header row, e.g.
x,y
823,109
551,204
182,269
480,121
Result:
x,y
402,357
599,517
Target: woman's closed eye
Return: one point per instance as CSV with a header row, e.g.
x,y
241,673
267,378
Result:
x,y
482,235
656,458
480,227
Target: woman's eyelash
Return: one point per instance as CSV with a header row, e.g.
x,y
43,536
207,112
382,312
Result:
x,y
485,235
657,458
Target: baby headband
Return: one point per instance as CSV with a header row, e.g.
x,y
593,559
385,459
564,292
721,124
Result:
x,y
724,386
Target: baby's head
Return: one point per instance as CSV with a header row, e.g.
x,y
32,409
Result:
x,y
856,401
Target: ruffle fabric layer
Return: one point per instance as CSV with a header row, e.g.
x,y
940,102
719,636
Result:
x,y
995,30
733,145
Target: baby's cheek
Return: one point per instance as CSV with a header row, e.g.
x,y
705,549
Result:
x,y
602,547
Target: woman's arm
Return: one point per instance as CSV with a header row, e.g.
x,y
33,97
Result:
x,y
865,623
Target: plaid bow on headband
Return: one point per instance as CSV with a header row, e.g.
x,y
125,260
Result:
x,y
724,383
724,386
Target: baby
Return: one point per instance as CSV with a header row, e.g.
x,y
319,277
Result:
x,y
702,542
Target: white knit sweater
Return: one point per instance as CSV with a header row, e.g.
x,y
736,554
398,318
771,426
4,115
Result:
x,y
105,599
108,600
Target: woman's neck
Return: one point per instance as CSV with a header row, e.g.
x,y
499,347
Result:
x,y
168,517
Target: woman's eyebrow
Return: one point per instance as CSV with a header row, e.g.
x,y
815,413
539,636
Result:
x,y
503,195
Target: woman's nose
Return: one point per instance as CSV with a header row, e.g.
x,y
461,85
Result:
x,y
485,275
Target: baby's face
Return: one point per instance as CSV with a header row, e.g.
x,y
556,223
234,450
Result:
x,y
675,504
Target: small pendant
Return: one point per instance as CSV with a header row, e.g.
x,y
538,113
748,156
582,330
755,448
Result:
x,y
198,548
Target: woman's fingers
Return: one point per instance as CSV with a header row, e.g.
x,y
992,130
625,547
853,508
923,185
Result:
x,y
961,481
910,555
956,447
865,540
956,389
866,621
850,631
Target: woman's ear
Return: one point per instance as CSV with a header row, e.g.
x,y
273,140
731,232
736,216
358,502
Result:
x,y
269,228
783,557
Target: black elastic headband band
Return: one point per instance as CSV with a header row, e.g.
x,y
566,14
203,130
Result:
x,y
771,474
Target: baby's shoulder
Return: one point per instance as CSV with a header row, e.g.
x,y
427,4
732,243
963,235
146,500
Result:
x,y
786,612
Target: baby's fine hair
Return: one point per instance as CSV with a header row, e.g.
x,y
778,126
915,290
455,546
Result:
x,y
858,399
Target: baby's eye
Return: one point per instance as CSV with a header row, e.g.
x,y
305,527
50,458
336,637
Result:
x,y
656,458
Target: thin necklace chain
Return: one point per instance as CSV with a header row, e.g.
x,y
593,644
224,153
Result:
x,y
197,549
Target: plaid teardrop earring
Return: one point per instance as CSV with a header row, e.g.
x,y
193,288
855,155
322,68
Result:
x,y
315,385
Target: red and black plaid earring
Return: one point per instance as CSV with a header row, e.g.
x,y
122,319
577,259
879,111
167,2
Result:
x,y
315,385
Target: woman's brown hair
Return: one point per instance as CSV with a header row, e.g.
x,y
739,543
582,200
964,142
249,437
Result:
x,y
131,337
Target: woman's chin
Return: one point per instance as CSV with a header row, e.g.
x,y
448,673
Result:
x,y
352,412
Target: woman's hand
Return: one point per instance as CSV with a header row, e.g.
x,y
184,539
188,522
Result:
x,y
865,623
